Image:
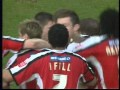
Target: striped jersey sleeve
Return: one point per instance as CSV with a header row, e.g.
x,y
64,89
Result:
x,y
10,43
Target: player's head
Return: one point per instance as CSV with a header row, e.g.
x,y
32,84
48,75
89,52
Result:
x,y
58,36
46,21
68,18
109,22
30,29
89,27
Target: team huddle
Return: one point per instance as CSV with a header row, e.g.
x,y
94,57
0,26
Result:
x,y
61,51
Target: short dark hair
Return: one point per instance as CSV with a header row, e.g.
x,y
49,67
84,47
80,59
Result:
x,y
58,36
109,22
89,26
43,18
67,13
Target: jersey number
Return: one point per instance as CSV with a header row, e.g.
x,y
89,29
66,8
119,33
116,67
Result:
x,y
62,81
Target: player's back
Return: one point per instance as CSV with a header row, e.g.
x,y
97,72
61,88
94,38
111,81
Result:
x,y
76,46
53,69
61,70
106,53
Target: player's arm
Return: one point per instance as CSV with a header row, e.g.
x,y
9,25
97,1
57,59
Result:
x,y
93,60
5,85
18,72
91,83
83,85
10,43
88,79
5,52
36,44
6,78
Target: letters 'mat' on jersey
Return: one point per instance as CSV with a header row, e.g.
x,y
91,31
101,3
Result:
x,y
53,69
10,43
106,53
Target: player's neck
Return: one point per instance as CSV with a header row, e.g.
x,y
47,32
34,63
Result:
x,y
58,48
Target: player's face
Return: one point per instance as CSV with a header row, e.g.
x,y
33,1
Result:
x,y
68,24
46,29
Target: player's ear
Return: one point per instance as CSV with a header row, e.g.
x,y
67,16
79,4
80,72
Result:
x,y
25,36
76,27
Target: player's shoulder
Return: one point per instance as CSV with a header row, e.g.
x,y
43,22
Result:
x,y
92,41
45,49
5,36
41,54
75,55
51,52
31,51
72,46
24,51
13,38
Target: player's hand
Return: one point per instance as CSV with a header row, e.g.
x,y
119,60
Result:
x,y
5,85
